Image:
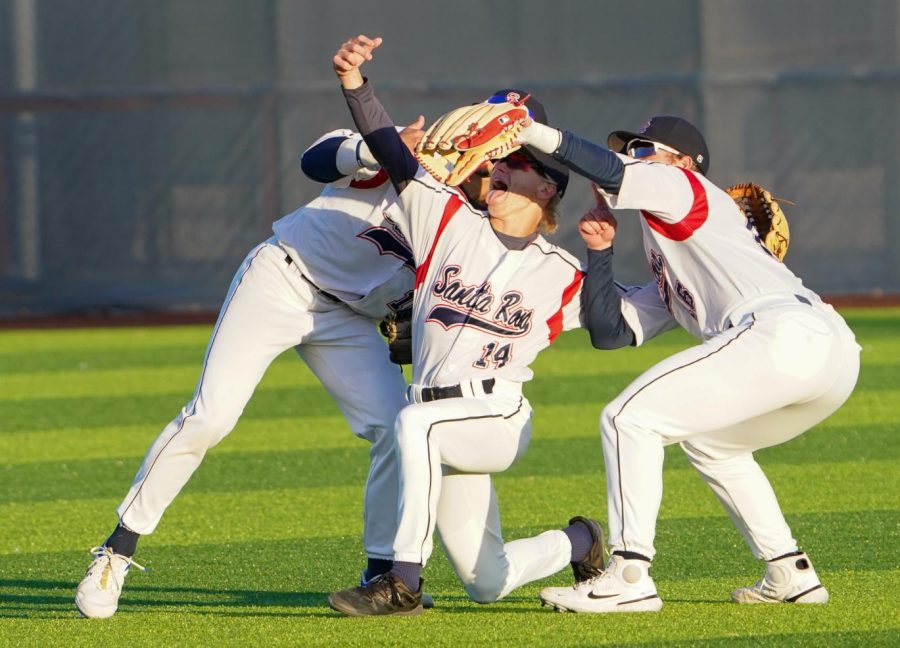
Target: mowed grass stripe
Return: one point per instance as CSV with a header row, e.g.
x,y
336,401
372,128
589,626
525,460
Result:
x,y
132,442
339,464
157,409
241,454
831,440
80,350
301,441
286,371
687,548
525,500
23,394
123,340
311,400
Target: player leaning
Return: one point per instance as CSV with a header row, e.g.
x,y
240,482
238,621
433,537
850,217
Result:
x,y
773,360
330,269
491,293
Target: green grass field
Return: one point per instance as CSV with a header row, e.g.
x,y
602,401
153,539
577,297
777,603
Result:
x,y
270,523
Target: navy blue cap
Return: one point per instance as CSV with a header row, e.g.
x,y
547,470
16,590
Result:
x,y
675,132
549,167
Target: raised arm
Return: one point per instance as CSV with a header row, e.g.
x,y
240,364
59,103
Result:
x,y
371,119
601,305
585,158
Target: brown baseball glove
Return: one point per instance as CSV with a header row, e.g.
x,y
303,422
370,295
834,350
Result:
x,y
460,141
764,211
397,328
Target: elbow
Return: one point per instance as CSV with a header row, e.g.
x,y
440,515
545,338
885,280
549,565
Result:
x,y
319,163
311,167
610,338
606,344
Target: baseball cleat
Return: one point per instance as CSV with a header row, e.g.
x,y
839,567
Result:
x,y
427,599
386,594
789,579
625,586
97,596
591,565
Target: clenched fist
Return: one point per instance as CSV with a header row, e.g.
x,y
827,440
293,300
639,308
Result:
x,y
598,226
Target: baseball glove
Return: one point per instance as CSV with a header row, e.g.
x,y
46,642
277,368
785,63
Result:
x,y
397,328
765,213
463,139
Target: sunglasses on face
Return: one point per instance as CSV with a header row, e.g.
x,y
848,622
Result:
x,y
639,148
518,161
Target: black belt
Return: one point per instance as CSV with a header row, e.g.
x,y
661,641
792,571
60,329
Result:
x,y
429,394
326,295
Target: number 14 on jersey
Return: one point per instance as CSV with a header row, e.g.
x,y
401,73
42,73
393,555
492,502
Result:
x,y
494,354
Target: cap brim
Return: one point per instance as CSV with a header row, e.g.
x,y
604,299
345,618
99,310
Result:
x,y
618,139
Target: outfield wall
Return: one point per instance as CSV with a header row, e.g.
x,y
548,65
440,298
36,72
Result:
x,y
146,146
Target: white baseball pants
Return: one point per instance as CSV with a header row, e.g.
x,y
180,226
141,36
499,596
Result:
x,y
270,307
776,374
465,440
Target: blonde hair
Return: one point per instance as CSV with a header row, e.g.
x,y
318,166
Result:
x,y
548,223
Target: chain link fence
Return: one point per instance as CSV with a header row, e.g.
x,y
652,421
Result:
x,y
146,146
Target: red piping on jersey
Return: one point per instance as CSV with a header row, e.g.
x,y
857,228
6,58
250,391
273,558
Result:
x,y
555,323
377,179
450,210
694,220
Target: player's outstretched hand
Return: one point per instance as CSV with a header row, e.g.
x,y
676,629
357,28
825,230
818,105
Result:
x,y
351,55
598,226
413,134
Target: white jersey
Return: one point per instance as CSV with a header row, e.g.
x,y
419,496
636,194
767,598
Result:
x,y
479,308
342,242
708,261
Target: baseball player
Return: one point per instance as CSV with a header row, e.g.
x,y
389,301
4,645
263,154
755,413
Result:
x,y
331,267
773,359
490,293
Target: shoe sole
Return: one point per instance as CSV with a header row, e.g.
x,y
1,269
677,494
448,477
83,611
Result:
x,y
652,604
816,596
104,614
353,612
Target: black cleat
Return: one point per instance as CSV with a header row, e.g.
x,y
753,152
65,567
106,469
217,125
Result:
x,y
384,595
594,562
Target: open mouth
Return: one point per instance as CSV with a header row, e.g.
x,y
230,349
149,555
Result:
x,y
499,185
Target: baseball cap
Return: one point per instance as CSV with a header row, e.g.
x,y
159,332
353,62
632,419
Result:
x,y
676,132
550,168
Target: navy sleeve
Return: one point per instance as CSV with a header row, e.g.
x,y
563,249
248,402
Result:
x,y
377,129
601,304
319,162
591,161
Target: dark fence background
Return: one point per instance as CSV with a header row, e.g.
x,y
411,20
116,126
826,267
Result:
x,y
146,145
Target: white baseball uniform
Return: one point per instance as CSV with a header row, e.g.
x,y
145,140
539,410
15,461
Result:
x,y
481,314
773,362
331,267
484,305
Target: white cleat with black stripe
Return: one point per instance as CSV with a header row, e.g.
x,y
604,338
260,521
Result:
x,y
625,586
789,579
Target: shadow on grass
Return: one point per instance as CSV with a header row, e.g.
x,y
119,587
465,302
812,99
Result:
x,y
46,598
34,597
